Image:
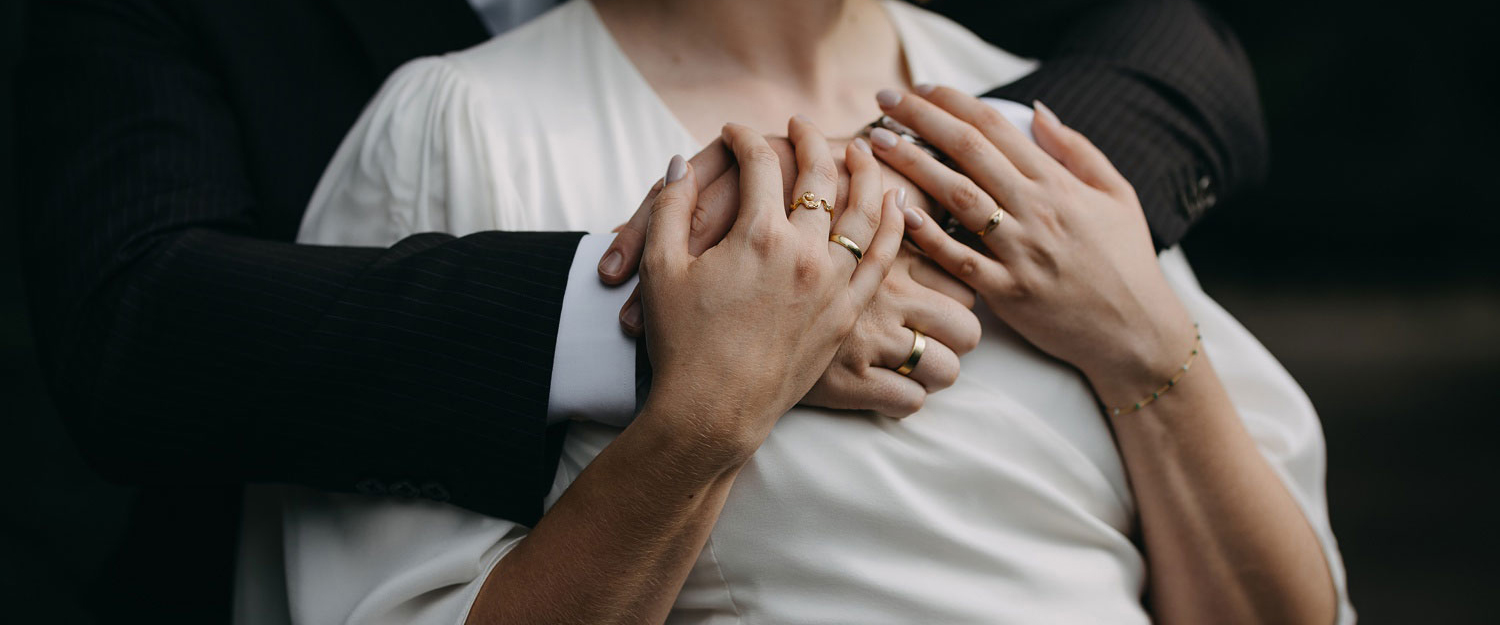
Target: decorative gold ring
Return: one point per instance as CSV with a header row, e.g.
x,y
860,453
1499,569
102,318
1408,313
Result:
x,y
812,201
989,226
918,345
853,247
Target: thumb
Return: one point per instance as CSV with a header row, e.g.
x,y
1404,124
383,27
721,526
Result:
x,y
671,213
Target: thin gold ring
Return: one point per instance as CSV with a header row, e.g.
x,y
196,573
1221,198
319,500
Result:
x,y
995,219
918,345
853,247
812,201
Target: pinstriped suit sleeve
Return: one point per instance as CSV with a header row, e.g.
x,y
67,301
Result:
x,y
184,346
1164,89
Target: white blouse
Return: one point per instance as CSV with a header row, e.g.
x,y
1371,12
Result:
x,y
1003,501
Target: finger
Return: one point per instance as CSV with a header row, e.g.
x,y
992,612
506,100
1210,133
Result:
x,y
936,369
941,318
861,217
632,317
667,228
623,255
817,179
963,199
760,176
890,394
969,148
1076,152
1013,143
984,274
880,254
928,274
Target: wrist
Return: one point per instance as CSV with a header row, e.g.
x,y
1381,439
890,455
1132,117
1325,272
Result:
x,y
1148,369
702,433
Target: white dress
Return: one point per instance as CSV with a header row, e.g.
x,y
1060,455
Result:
x,y
1003,501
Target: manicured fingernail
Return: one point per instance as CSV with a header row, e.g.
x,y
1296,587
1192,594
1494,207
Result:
x,y
924,88
802,118
883,138
887,98
913,218
1045,114
632,315
610,266
676,169
862,145
901,198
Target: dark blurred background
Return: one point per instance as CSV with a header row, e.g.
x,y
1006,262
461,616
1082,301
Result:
x,y
1368,265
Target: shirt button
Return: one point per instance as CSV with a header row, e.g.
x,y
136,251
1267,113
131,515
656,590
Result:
x,y
404,489
434,491
369,486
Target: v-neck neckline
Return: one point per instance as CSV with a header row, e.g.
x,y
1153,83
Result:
x,y
628,65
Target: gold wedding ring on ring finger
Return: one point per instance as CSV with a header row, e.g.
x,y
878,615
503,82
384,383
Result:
x,y
812,201
848,244
993,222
918,345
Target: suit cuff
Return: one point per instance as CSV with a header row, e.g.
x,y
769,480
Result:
x,y
593,367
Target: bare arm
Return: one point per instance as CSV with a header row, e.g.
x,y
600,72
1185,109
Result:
x,y
1071,267
620,542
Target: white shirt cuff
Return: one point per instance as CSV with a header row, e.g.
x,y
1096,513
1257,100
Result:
x,y
593,367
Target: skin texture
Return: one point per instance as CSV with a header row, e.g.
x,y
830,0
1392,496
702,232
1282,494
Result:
x,y
916,295
1072,269
620,541
756,63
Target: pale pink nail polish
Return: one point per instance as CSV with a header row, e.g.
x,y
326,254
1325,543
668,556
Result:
x,y
887,98
913,218
862,145
676,169
901,198
1045,114
924,88
883,138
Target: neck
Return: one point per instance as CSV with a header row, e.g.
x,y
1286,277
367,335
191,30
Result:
x,y
810,44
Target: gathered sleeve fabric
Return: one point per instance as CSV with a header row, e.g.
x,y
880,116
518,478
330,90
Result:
x,y
416,161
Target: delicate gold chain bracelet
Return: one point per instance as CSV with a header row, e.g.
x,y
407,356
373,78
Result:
x,y
1197,347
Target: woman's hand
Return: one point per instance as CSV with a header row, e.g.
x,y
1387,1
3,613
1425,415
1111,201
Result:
x,y
917,295
1071,265
738,334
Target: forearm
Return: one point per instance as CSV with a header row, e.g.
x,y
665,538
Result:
x,y
1225,540
618,545
214,358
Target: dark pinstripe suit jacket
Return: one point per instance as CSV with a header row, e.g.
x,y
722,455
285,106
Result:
x,y
169,147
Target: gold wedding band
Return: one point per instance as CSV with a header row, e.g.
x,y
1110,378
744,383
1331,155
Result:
x,y
918,345
989,226
853,247
812,201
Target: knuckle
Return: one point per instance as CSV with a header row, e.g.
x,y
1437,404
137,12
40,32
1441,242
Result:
x,y
807,270
869,214
987,117
762,156
823,172
968,267
970,145
766,240
965,195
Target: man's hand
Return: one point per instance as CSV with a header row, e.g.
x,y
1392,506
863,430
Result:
x,y
916,295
